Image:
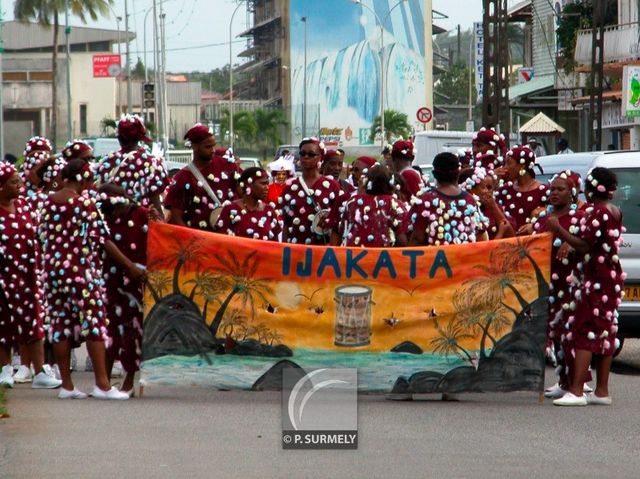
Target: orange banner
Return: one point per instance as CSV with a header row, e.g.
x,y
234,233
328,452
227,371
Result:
x,y
231,312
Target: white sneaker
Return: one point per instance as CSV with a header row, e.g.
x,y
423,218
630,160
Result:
x,y
112,393
599,401
42,380
75,394
570,399
23,375
586,388
116,370
554,392
6,376
55,370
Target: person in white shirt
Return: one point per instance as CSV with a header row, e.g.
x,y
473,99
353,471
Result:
x,y
563,147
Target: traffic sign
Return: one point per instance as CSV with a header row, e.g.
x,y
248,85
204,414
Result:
x,y
424,115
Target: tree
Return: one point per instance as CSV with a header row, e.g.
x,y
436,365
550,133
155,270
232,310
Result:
x,y
454,85
139,70
244,125
396,125
269,124
47,13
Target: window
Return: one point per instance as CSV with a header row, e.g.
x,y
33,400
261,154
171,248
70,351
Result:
x,y
14,76
627,197
41,76
83,119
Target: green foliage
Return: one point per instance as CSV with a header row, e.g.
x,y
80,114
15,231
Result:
x,y
454,85
217,80
578,16
396,125
108,126
259,130
46,12
138,71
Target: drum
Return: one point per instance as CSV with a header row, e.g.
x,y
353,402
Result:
x,y
316,224
353,316
213,217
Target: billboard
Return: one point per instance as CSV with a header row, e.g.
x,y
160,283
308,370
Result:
x,y
106,66
345,44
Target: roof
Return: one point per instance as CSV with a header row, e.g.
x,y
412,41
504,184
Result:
x,y
615,95
520,12
541,124
534,85
29,35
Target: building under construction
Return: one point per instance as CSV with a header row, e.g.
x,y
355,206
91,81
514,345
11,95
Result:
x,y
331,65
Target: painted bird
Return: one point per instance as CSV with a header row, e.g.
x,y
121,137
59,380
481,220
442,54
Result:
x,y
392,321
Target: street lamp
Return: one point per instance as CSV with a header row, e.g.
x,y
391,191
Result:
x,y
381,24
304,82
231,76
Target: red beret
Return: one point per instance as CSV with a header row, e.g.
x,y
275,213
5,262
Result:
x,y
6,171
131,128
197,134
332,154
37,143
403,149
367,160
73,149
488,161
523,155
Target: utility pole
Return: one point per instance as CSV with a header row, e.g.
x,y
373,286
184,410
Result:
x,y
128,60
163,63
495,99
156,72
67,32
304,82
596,78
459,57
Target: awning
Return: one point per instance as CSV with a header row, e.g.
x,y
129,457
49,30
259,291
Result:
x,y
606,96
541,124
535,85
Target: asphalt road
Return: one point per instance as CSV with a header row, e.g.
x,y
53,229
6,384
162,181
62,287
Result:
x,y
189,433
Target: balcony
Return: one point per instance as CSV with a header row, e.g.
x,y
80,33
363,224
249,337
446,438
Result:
x,y
621,45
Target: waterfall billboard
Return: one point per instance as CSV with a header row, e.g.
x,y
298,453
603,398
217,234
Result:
x,y
341,86
230,312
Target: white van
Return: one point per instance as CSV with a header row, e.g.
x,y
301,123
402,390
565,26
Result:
x,y
103,146
429,143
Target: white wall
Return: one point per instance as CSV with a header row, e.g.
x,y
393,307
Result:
x,y
627,11
99,94
181,119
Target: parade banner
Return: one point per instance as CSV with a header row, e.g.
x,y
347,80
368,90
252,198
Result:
x,y
230,312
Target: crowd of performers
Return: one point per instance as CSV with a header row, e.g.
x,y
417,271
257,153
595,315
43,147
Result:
x,y
73,238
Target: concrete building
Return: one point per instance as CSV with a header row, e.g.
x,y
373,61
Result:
x,y
28,82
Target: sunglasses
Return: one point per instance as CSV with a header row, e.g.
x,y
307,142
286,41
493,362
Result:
x,y
310,154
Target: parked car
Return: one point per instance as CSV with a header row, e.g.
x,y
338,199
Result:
x,y
248,162
103,146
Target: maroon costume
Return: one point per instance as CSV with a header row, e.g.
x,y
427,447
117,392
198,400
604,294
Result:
x,y
560,289
520,206
262,223
299,207
72,234
412,182
124,294
594,324
447,219
372,221
21,316
186,194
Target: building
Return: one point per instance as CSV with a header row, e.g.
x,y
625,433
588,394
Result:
x,y
541,84
184,100
28,82
321,63
621,50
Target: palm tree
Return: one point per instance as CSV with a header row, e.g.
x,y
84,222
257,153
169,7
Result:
x,y
157,282
232,319
244,126
269,124
396,125
240,278
448,341
274,336
517,253
181,255
207,282
46,13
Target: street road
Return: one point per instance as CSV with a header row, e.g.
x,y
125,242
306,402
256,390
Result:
x,y
174,432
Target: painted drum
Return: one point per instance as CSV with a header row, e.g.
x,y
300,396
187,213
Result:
x,y
353,316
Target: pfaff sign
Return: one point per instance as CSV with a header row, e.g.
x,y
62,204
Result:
x,y
106,66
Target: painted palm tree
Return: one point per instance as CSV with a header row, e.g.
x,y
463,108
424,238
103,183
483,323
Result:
x,y
274,337
232,321
47,13
158,282
240,279
180,255
396,125
206,283
449,338
269,125
520,251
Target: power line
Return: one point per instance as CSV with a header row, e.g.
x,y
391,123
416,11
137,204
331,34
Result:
x,y
193,47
